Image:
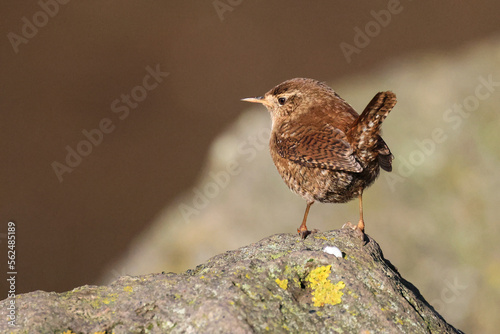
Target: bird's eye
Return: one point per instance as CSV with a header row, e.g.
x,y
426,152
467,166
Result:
x,y
281,101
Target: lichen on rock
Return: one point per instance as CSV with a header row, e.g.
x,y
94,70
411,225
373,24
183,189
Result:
x,y
324,291
280,284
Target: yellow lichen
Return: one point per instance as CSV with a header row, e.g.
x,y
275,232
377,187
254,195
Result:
x,y
100,299
352,294
324,291
128,288
111,298
282,283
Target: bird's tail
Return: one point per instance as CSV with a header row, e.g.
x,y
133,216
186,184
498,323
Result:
x,y
364,134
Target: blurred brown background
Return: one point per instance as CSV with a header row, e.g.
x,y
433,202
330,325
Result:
x,y
64,78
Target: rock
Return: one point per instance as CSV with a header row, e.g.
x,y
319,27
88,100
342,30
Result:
x,y
281,284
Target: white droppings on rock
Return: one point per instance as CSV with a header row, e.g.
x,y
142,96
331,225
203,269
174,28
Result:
x,y
333,250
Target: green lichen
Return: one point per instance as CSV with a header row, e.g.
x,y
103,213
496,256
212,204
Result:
x,y
278,255
71,332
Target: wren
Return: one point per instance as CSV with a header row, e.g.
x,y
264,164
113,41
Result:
x,y
323,149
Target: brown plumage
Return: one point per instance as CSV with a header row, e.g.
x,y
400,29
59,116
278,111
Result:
x,y
322,148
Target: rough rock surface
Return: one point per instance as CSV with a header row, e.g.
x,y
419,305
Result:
x,y
281,284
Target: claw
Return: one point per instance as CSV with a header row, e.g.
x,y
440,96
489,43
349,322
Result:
x,y
357,230
303,234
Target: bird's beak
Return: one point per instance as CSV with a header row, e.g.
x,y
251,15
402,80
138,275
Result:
x,y
259,99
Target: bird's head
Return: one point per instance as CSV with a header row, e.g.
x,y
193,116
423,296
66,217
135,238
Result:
x,y
283,100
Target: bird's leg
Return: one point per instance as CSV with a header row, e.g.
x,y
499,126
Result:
x,y
302,230
361,223
360,228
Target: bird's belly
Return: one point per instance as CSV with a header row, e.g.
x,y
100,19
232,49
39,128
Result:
x,y
322,185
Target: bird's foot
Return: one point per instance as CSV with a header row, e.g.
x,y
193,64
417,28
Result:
x,y
304,232
360,234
